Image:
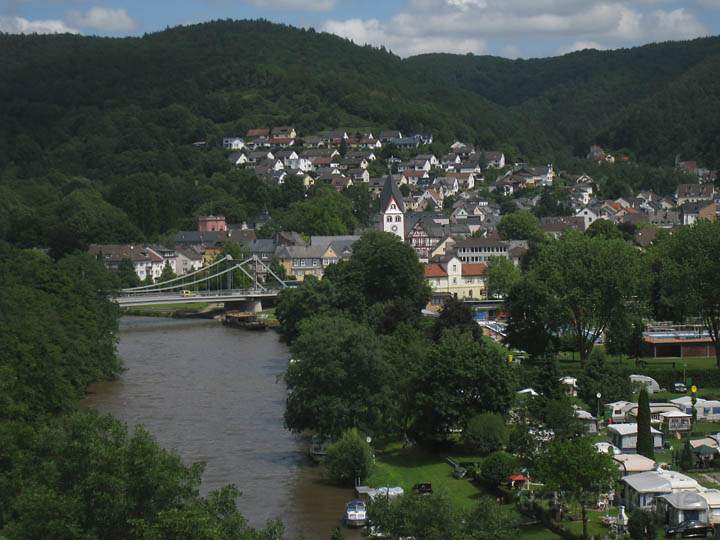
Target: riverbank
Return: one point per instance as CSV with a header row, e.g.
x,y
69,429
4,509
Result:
x,y
196,310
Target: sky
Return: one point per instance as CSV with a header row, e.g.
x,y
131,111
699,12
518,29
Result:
x,y
509,28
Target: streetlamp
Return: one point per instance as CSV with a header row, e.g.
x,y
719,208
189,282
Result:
x,y
598,396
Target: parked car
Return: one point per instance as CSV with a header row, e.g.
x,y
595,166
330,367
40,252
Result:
x,y
689,529
460,472
422,489
679,388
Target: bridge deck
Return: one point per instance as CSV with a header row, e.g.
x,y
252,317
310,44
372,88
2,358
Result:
x,y
213,297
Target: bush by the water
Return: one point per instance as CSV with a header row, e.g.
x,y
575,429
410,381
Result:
x,y
349,458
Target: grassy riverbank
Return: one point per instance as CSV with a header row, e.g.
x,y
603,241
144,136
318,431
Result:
x,y
412,465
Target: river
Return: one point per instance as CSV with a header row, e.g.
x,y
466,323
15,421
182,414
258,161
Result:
x,y
213,394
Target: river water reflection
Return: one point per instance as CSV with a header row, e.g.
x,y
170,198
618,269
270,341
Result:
x,y
212,394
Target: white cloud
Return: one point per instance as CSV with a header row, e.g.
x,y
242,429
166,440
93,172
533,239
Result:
x,y
20,25
301,5
103,20
468,25
404,41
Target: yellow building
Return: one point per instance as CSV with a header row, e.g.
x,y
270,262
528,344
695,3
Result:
x,y
458,279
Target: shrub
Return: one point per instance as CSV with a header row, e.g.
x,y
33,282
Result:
x,y
641,525
349,458
485,433
497,467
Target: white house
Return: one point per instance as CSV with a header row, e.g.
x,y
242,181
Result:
x,y
624,436
233,143
588,215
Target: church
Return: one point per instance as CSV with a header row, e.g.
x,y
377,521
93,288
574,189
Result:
x,y
392,209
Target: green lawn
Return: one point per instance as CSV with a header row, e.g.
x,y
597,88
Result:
x,y
406,467
570,361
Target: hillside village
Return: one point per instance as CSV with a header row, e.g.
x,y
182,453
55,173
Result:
x,y
445,206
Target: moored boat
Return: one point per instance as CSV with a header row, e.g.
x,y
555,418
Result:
x,y
356,513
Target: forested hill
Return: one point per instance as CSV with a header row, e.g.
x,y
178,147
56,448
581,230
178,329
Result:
x,y
96,134
219,78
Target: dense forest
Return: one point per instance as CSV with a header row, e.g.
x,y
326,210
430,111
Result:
x,y
96,133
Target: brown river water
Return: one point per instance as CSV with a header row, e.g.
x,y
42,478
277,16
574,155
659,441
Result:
x,y
213,394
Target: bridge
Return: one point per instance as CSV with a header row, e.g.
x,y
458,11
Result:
x,y
242,284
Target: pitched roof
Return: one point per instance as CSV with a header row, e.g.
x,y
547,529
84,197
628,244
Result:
x,y
474,269
434,270
391,191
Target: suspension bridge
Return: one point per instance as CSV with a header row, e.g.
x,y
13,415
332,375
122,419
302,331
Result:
x,y
241,284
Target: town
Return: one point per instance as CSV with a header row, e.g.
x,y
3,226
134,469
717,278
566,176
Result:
x,y
471,235
414,270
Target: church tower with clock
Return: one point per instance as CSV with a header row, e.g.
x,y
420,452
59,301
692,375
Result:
x,y
392,209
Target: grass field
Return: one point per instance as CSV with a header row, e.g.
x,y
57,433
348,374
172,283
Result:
x,y
570,361
406,467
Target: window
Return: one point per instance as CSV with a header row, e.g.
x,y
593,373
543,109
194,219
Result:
x,y
454,267
393,207
398,219
454,281
389,219
716,410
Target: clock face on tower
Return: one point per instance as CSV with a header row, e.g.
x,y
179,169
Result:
x,y
394,228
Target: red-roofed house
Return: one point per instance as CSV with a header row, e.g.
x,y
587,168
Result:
x,y
455,278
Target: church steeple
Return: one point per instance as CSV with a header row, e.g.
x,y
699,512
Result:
x,y
392,208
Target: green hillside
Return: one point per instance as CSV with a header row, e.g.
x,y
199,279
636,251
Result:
x,y
96,133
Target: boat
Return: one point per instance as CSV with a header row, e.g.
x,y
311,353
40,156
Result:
x,y
356,513
245,320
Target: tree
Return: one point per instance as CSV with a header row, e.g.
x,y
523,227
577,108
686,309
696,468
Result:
x,y
535,317
485,433
625,336
689,270
333,384
497,468
501,275
687,458
296,304
641,525
431,517
455,314
590,281
167,273
327,212
520,226
575,467
126,274
453,384
603,228
490,521
383,268
645,444
348,459
607,378
337,534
